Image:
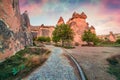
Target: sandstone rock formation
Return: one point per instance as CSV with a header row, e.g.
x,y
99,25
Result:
x,y
42,30
60,21
79,25
111,37
92,29
10,13
14,32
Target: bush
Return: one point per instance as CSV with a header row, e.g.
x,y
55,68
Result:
x,y
114,66
89,37
118,41
43,39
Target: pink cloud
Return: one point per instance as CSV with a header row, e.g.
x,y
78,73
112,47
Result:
x,y
117,2
102,18
32,8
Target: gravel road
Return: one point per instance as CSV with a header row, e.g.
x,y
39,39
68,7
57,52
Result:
x,y
57,67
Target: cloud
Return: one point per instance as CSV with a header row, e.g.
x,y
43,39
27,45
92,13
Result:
x,y
102,14
33,7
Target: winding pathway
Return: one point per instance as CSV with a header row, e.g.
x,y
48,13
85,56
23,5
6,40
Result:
x,y
57,67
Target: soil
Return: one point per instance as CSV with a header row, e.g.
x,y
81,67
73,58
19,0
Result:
x,y
93,61
73,65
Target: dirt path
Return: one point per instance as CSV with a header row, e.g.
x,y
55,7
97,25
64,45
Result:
x,y
57,67
93,61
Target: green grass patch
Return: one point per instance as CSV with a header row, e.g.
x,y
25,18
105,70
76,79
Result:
x,y
22,63
114,66
108,44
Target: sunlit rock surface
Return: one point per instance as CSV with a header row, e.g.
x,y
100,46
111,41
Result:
x,y
78,24
42,30
14,33
60,21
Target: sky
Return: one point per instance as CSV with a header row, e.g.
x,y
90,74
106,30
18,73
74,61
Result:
x,y
104,15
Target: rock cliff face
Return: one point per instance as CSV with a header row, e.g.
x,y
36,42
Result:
x,y
79,25
14,28
42,30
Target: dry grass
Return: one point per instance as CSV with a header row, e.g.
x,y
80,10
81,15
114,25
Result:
x,y
23,63
93,61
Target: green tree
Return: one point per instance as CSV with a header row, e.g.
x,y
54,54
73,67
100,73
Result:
x,y
118,41
63,33
88,36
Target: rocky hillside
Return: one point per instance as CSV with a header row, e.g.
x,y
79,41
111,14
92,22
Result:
x,y
15,31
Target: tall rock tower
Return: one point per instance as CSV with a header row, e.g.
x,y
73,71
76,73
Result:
x,y
78,24
60,21
14,35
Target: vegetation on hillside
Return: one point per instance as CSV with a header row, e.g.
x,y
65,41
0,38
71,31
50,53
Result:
x,y
22,63
64,34
118,41
107,43
114,66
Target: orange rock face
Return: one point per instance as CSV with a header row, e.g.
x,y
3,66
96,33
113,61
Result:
x,y
14,34
78,24
92,29
60,21
111,37
42,30
10,13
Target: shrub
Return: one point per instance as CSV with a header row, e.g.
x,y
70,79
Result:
x,y
43,39
114,66
118,41
22,63
89,37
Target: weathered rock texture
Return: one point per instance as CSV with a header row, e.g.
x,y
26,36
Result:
x,y
111,37
60,21
92,29
14,28
78,24
42,30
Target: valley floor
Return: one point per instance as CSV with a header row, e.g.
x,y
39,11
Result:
x,y
93,61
